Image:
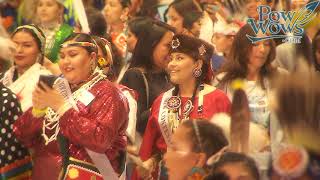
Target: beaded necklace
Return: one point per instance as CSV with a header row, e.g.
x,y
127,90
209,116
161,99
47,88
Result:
x,y
177,113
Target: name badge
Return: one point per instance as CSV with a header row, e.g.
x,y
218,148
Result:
x,y
86,97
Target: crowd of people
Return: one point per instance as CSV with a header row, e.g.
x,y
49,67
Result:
x,y
156,89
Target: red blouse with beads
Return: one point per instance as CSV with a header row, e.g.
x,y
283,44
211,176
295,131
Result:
x,y
99,127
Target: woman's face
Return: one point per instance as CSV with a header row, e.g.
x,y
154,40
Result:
x,y
175,20
196,26
49,11
236,171
113,11
181,68
76,63
179,158
27,50
251,9
131,41
259,54
161,51
222,42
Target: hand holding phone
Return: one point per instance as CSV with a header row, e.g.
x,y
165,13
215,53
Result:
x,y
47,79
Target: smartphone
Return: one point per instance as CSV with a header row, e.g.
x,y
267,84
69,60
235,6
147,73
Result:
x,y
47,79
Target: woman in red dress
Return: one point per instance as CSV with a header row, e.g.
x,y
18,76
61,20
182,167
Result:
x,y
82,137
191,98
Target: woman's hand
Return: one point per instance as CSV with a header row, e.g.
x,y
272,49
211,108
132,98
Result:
x,y
47,97
213,8
146,169
52,67
133,149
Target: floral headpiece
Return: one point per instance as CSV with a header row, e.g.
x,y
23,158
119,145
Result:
x,y
175,43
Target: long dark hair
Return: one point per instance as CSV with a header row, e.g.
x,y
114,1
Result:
x,y
192,46
237,64
315,45
143,52
211,137
138,25
189,10
149,8
97,23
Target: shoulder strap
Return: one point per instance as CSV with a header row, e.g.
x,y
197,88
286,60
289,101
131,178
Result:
x,y
146,84
147,87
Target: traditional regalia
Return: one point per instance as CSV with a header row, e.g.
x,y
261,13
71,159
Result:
x,y
55,37
84,140
165,118
24,85
120,39
58,32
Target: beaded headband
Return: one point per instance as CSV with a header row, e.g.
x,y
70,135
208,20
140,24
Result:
x,y
81,44
39,35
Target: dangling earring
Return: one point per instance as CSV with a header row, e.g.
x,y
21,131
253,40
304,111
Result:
x,y
197,173
196,72
92,68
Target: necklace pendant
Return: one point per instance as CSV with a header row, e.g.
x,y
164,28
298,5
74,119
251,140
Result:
x,y
187,108
173,103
